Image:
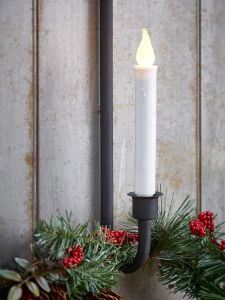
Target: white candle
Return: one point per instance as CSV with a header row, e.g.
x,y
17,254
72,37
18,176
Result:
x,y
145,118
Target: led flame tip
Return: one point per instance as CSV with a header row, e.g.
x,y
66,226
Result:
x,y
145,55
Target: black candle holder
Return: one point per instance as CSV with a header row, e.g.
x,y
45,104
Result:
x,y
144,210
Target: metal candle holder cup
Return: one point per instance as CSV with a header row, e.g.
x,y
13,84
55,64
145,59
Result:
x,y
144,210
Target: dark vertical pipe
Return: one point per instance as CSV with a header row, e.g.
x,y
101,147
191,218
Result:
x,y
106,108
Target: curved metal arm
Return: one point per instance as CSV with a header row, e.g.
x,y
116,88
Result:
x,y
144,246
145,209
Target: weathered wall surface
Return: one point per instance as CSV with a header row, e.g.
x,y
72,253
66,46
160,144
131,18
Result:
x,y
68,108
49,112
213,107
16,126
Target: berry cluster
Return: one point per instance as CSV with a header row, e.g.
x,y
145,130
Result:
x,y
119,237
197,227
204,221
207,219
75,256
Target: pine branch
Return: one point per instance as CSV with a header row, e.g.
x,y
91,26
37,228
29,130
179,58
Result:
x,y
211,291
176,250
90,277
189,264
51,239
169,229
102,258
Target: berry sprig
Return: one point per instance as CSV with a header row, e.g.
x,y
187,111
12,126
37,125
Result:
x,y
75,256
204,221
207,218
119,237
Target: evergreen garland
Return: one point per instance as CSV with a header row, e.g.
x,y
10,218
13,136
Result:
x,y
71,256
79,263
103,259
190,261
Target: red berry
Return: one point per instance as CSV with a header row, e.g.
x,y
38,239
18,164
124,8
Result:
x,y
209,213
211,228
73,260
197,227
132,237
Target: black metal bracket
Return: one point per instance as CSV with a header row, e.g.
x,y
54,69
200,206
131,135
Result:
x,y
144,209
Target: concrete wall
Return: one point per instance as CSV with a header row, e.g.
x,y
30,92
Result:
x,y
49,112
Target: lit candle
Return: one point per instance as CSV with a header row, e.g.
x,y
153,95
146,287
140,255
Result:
x,y
145,118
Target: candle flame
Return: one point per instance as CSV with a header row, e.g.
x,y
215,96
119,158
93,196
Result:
x,y
145,55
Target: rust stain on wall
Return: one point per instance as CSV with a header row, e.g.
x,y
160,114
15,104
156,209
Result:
x,y
40,9
175,181
29,159
30,110
29,156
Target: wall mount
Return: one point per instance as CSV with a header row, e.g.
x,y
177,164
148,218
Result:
x,y
145,209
